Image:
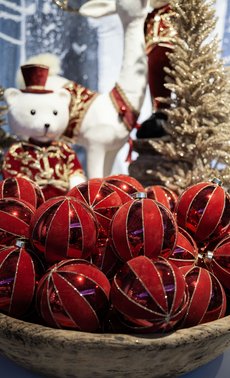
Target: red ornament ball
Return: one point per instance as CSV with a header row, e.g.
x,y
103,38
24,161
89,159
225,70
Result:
x,y
17,280
73,294
105,258
22,188
143,227
103,200
203,210
218,261
207,299
185,251
116,322
150,294
15,218
163,195
124,185
63,228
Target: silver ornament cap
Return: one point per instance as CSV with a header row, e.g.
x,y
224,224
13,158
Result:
x,y
139,195
217,181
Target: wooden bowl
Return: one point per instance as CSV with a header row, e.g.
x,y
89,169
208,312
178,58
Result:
x,y
70,354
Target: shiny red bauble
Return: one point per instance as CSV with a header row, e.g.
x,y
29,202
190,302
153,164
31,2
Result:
x,y
217,261
185,251
143,227
163,195
63,228
124,185
105,258
116,322
17,280
150,294
103,200
22,188
15,218
207,299
73,294
203,210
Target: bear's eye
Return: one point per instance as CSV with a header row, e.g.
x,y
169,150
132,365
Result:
x,y
33,111
55,112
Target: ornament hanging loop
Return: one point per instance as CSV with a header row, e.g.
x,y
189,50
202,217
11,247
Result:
x,y
63,4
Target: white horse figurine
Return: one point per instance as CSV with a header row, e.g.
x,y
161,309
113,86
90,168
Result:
x,y
109,118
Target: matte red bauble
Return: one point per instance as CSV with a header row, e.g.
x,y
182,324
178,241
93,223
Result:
x,y
203,210
150,294
163,195
15,218
63,228
17,280
22,188
218,261
143,227
207,297
124,185
73,294
103,200
185,251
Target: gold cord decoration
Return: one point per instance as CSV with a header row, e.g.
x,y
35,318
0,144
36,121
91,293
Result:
x,y
37,163
158,29
81,98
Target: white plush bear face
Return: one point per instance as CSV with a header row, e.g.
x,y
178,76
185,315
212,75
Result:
x,y
43,117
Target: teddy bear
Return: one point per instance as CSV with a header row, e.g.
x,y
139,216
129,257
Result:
x,y
102,122
38,117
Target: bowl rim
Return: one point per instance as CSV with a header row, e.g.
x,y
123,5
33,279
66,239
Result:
x,y
209,331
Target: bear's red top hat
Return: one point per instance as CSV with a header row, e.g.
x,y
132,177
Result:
x,y
35,76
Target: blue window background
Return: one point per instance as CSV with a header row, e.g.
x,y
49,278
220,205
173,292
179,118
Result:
x,y
31,27
226,35
222,8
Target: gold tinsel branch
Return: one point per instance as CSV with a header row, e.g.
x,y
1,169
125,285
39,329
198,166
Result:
x,y
198,125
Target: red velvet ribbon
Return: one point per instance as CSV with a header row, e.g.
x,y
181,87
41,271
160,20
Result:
x,y
126,112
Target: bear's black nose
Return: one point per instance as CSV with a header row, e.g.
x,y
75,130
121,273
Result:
x,y
47,125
